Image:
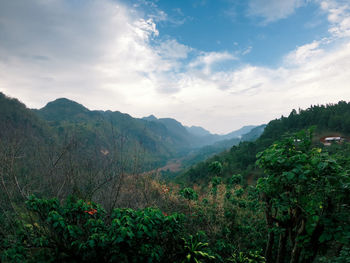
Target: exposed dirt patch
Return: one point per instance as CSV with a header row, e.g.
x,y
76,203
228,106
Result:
x,y
172,166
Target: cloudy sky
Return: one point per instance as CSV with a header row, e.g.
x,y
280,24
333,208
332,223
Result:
x,y
220,64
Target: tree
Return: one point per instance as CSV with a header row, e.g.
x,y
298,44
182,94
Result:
x,y
305,195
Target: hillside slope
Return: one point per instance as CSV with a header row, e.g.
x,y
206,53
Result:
x,y
328,119
95,134
159,140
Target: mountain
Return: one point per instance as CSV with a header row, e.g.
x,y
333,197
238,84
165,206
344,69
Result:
x,y
64,121
14,115
161,139
103,129
201,154
27,145
213,138
19,124
189,137
198,137
238,133
63,109
150,118
197,130
178,131
221,145
254,133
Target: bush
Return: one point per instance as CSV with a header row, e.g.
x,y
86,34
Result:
x,y
80,231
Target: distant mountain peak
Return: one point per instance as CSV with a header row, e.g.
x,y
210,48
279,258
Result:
x,y
197,130
150,118
64,102
62,109
238,133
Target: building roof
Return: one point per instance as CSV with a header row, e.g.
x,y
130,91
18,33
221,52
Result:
x,y
332,139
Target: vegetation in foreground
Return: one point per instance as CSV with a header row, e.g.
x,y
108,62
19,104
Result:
x,y
298,212
279,199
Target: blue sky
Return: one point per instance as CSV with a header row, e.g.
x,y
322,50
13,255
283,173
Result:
x,y
228,25
219,64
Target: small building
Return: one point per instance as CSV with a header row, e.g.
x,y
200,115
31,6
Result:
x,y
334,139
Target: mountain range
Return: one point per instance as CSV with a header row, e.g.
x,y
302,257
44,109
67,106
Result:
x,y
158,139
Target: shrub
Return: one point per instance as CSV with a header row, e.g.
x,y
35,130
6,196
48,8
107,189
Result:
x,y
80,231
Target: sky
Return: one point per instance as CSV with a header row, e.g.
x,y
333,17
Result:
x,y
219,64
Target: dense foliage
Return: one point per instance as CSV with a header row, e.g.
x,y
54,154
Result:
x,y
81,231
207,230
306,200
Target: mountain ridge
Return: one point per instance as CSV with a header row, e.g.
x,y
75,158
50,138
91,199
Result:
x,y
206,138
325,120
162,138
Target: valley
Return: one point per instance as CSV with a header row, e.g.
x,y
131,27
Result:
x,y
101,164
157,131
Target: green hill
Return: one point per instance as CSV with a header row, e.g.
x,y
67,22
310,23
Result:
x,y
156,140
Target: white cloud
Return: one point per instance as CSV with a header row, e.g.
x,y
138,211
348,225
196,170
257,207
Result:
x,y
303,53
206,60
173,49
259,94
273,10
114,59
145,28
103,59
338,16
247,51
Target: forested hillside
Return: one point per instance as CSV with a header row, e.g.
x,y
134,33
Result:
x,y
99,130
64,141
329,120
206,152
79,186
159,139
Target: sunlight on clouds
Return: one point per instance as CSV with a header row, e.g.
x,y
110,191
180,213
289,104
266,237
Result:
x,y
263,94
116,60
145,28
115,56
